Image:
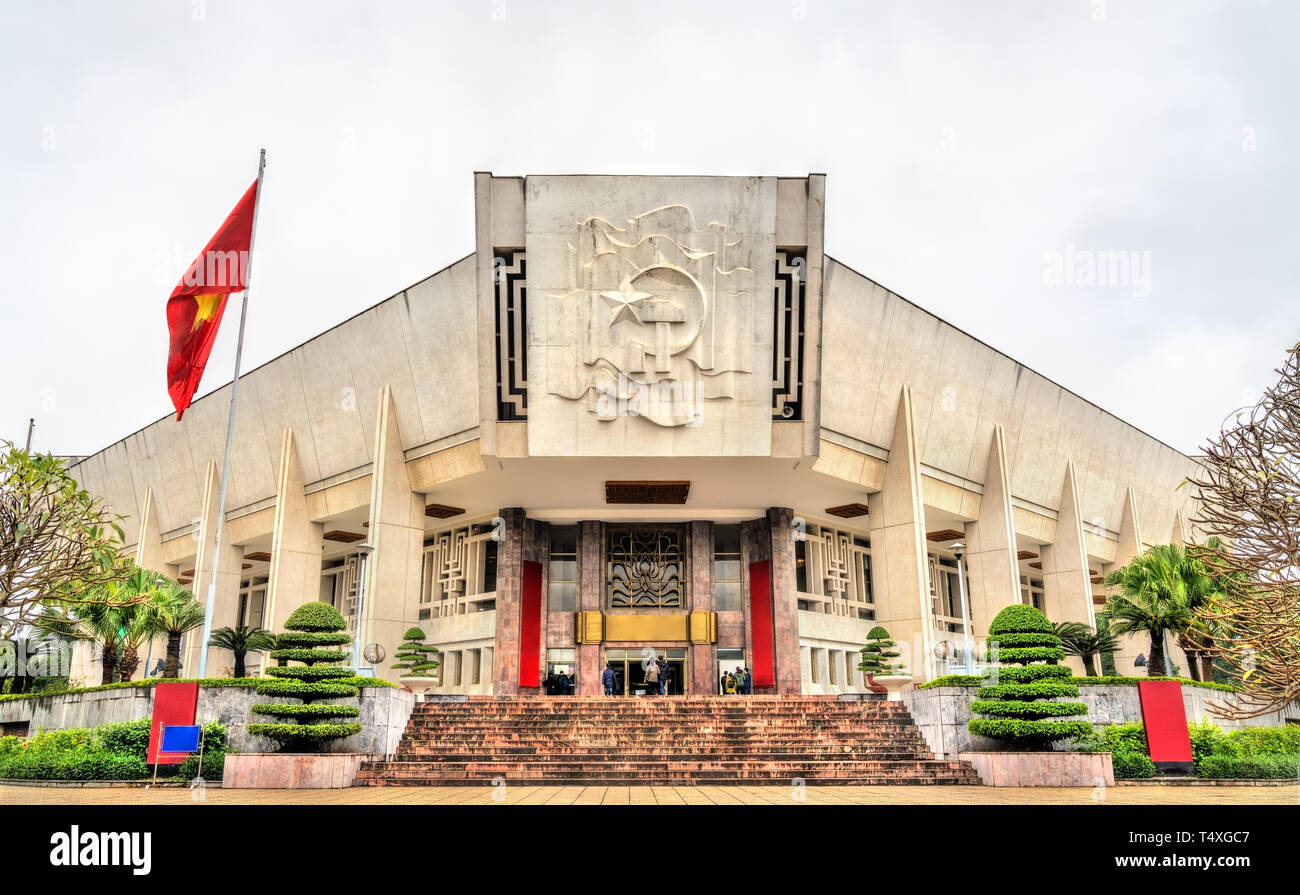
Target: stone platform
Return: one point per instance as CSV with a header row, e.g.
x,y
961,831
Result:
x,y
675,740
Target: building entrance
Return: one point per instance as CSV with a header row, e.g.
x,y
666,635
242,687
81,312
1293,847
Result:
x,y
630,667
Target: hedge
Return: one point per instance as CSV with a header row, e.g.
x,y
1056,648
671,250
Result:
x,y
1132,765
1032,654
293,733
309,655
1035,709
306,710
152,682
110,752
1028,731
1262,767
970,680
1037,690
304,672
301,690
313,638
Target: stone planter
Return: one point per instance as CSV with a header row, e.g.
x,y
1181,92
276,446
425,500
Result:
x,y
1042,768
419,685
895,684
289,770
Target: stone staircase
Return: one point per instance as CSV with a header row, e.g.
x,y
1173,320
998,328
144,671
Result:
x,y
676,740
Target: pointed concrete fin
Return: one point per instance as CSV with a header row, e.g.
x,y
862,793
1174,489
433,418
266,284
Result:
x,y
1130,531
991,558
148,548
294,544
1070,555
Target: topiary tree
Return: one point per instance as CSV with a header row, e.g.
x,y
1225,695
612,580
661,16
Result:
x,y
414,656
309,631
1020,706
877,653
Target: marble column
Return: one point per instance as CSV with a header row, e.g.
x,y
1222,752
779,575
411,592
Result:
x,y
703,656
785,600
505,660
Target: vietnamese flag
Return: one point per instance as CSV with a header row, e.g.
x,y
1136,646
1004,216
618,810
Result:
x,y
196,304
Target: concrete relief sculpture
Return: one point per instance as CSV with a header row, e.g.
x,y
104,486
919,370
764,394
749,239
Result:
x,y
660,316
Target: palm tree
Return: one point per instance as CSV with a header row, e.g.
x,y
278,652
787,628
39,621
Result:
x,y
1078,639
1157,591
241,641
173,611
118,624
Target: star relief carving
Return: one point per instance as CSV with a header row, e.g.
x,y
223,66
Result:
x,y
624,301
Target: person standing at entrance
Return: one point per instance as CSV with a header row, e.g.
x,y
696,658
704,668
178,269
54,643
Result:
x,y
749,683
662,664
651,675
607,678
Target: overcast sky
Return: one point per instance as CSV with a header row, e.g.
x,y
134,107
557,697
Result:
x,y
964,143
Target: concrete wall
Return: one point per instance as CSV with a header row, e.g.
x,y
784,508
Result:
x,y
384,712
943,712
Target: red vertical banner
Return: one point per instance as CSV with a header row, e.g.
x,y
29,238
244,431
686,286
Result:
x,y
173,704
530,626
760,620
1165,720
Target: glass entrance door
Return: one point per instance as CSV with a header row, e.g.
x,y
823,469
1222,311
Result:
x,y
630,666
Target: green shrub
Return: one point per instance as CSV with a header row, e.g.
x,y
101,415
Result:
x,y
313,638
126,738
316,617
214,766
1132,766
309,655
878,652
1114,681
953,680
1028,734
1016,708
1031,654
415,658
316,679
1252,742
334,689
1021,619
309,672
1033,638
1025,709
1207,739
1038,690
306,710
303,734
1262,767
1125,738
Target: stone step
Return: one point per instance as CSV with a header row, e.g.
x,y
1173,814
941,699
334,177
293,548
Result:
x,y
691,740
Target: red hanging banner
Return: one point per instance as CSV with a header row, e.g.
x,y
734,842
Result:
x,y
530,626
760,615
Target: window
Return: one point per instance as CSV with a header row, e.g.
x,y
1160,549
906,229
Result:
x,y
945,588
1031,592
727,596
475,658
833,571
562,581
252,602
460,570
643,566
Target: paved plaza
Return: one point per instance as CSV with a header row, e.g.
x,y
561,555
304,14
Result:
x,y
660,795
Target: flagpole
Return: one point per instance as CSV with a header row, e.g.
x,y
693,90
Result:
x,y
230,432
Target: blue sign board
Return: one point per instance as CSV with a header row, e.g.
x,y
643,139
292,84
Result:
x,y
180,738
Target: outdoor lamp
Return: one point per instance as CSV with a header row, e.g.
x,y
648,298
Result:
x,y
1140,661
375,653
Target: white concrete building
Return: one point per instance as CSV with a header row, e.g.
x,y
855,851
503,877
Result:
x,y
648,413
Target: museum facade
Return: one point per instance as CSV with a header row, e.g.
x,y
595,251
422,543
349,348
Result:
x,y
647,415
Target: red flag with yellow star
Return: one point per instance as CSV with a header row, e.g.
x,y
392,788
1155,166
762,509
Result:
x,y
196,304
